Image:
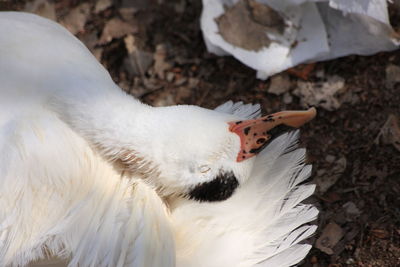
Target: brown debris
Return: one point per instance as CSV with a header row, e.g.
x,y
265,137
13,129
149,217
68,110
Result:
x,y
330,236
160,63
138,62
351,211
328,176
102,5
390,132
116,28
327,94
302,71
279,84
392,75
76,19
380,233
166,99
42,8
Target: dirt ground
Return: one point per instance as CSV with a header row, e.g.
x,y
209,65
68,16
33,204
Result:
x,y
155,51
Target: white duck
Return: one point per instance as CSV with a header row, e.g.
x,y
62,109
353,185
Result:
x,y
91,175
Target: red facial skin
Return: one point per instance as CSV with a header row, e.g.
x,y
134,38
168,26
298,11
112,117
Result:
x,y
254,135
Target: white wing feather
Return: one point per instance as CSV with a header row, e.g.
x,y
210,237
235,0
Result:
x,y
246,111
262,224
59,197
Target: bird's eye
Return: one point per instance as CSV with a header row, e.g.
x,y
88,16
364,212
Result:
x,y
204,169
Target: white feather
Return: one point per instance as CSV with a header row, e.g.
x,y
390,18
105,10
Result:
x,y
60,197
263,223
239,109
63,120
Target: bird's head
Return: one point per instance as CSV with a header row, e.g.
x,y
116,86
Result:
x,y
206,154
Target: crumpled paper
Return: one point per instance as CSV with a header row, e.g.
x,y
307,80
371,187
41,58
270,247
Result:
x,y
303,31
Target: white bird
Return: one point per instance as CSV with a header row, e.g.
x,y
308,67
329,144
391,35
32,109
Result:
x,y
90,175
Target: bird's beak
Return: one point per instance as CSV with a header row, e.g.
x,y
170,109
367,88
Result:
x,y
255,134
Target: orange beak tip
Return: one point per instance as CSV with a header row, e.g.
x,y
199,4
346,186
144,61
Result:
x,y
313,112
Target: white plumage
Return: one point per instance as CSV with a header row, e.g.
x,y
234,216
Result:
x,y
261,224
86,174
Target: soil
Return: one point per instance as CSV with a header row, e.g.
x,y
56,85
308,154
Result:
x,y
365,199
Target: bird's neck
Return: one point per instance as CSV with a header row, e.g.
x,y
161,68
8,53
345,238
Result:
x,y
115,123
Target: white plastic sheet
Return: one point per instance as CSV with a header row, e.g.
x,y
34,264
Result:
x,y
314,30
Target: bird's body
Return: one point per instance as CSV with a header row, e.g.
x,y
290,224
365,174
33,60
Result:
x,y
59,197
87,176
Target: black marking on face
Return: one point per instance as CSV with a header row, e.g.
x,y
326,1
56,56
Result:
x,y
258,149
218,189
238,122
268,120
273,133
279,130
261,141
246,130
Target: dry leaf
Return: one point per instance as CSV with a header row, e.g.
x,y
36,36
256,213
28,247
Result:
x,y
302,71
160,63
327,177
76,19
390,132
164,99
182,93
127,13
42,8
330,236
380,233
116,28
328,94
287,98
392,75
138,61
102,5
351,210
279,84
